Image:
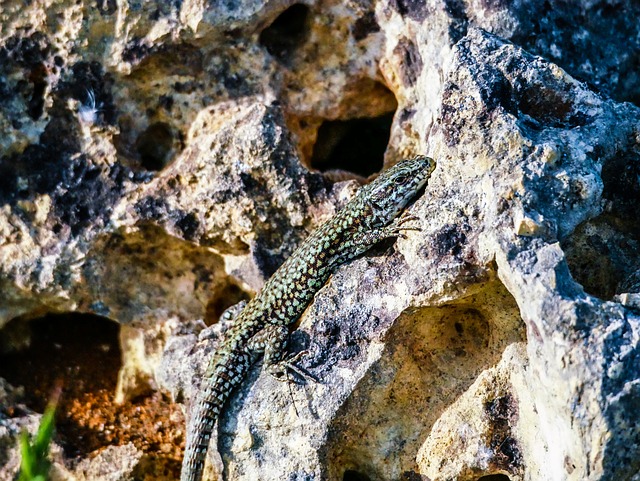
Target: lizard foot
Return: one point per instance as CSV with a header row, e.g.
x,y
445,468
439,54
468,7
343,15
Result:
x,y
398,226
280,370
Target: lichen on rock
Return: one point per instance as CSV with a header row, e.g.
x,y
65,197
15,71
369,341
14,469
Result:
x,y
158,162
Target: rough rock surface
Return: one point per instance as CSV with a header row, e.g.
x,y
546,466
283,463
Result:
x,y
158,161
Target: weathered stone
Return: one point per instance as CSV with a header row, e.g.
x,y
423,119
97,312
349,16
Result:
x,y
152,170
480,426
115,463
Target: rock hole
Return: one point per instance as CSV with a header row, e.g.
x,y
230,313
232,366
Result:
x,y
495,477
37,77
60,346
352,475
396,403
157,145
81,353
357,145
227,297
621,179
601,257
603,252
286,32
549,107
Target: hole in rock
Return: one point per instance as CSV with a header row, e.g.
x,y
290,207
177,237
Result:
x,y
352,475
79,350
286,32
81,354
229,296
603,252
601,257
157,145
550,106
621,178
494,477
356,145
35,107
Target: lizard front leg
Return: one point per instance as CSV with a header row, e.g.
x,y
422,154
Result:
x,y
395,229
364,240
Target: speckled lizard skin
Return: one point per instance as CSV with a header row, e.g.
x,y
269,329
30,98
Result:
x,y
262,327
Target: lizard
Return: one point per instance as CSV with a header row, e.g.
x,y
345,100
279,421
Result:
x,y
262,326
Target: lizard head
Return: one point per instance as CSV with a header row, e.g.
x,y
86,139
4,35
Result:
x,y
392,190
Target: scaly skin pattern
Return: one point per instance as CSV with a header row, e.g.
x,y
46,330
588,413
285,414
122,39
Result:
x,y
262,327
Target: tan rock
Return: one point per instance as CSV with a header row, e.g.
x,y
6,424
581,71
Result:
x,y
155,169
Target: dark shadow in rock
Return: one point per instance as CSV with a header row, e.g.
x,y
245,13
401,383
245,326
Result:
x,y
158,145
227,296
494,477
286,33
356,146
600,256
351,475
604,251
80,351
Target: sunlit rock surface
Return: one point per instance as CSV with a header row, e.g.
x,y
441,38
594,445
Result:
x,y
158,161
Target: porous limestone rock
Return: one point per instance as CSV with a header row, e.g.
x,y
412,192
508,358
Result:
x,y
526,156
154,169
480,425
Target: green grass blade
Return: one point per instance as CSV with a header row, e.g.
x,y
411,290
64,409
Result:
x,y
45,431
28,459
35,464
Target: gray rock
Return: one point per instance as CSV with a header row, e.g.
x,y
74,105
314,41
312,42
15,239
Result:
x,y
159,174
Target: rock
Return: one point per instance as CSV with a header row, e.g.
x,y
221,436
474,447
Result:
x,y
159,161
479,426
12,426
571,335
115,463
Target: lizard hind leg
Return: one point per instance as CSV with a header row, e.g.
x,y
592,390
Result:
x,y
231,312
272,342
225,321
280,369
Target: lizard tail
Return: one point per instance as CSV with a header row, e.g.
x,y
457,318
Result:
x,y
200,427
